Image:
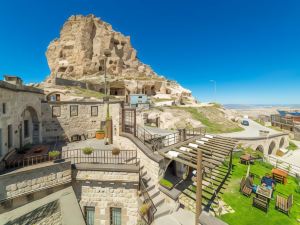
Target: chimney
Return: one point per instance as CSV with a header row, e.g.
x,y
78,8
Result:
x,y
13,80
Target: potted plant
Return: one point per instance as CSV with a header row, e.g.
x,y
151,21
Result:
x,y
54,155
87,150
144,208
100,134
115,151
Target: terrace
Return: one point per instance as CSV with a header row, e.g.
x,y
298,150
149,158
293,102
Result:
x,y
242,210
101,157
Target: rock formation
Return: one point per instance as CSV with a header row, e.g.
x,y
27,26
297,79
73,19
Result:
x,y
87,45
81,48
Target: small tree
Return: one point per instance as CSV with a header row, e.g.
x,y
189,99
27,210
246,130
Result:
x,y
54,154
116,151
87,150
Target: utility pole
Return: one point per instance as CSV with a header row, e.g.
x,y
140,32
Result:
x,y
199,187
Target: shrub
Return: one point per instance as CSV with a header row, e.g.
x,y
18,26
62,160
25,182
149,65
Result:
x,y
54,154
292,146
116,151
166,183
144,208
87,150
100,131
265,164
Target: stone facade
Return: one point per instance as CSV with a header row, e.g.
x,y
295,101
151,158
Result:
x,y
153,168
17,105
76,118
34,179
106,190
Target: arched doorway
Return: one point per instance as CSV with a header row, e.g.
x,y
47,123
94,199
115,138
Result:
x,y
271,147
29,129
260,148
281,143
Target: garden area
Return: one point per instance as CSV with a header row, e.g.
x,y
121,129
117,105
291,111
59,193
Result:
x,y
244,213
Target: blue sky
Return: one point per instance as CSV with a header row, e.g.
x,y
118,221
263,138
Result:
x,y
250,48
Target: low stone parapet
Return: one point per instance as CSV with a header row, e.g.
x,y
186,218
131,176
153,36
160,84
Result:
x,y
34,178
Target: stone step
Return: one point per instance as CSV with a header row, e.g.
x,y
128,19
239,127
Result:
x,y
150,187
153,193
143,173
158,200
146,179
162,210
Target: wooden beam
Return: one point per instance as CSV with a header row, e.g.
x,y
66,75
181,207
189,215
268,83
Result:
x,y
199,188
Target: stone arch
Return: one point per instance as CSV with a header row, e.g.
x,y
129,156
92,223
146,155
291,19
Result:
x,y
29,128
282,142
55,94
260,148
271,147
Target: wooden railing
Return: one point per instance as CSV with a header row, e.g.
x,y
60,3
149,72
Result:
x,y
127,157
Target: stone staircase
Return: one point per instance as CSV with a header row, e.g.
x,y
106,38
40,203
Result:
x,y
156,196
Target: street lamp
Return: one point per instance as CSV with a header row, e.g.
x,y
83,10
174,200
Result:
x,y
215,89
106,54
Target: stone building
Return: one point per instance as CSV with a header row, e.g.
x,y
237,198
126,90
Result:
x,y
20,115
101,192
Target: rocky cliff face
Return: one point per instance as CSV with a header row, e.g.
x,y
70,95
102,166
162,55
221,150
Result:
x,y
80,51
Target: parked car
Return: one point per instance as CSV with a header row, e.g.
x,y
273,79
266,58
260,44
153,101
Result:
x,y
245,123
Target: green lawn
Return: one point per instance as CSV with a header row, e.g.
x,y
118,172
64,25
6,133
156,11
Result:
x,y
244,213
211,125
292,146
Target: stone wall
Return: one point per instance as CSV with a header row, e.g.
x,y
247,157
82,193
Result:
x,y
33,179
20,105
82,123
104,190
153,168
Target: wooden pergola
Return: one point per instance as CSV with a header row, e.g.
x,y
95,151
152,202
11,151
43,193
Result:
x,y
214,150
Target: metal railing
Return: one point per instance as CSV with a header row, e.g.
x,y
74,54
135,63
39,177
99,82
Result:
x,y
127,157
27,161
148,217
159,141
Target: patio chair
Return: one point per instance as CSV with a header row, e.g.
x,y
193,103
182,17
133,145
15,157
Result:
x,y
260,203
284,204
244,189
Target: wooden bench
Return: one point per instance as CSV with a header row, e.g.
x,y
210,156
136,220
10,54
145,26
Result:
x,y
279,176
244,189
260,203
284,204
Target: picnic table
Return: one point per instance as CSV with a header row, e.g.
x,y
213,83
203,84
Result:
x,y
264,193
262,199
279,175
246,159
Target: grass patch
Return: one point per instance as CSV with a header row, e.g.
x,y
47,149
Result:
x,y
292,146
212,125
162,99
260,122
78,91
166,183
244,213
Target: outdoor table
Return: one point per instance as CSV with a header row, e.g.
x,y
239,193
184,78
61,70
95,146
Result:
x,y
245,159
264,193
278,173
